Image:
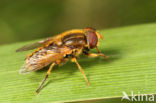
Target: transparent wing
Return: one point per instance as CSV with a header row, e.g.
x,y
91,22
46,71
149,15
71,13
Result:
x,y
33,45
38,61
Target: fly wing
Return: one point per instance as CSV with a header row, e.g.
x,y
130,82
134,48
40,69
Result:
x,y
34,45
44,57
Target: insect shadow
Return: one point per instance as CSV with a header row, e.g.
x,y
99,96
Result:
x,y
69,68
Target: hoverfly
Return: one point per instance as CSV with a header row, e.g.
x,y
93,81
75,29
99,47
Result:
x,y
60,49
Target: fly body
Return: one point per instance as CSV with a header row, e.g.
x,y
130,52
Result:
x,y
59,49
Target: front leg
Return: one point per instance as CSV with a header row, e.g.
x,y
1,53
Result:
x,y
93,55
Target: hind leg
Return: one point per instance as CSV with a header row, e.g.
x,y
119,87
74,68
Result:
x,y
48,73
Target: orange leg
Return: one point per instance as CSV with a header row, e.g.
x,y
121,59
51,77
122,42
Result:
x,y
98,50
93,55
81,70
48,73
96,55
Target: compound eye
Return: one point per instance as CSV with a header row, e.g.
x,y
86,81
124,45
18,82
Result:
x,y
92,39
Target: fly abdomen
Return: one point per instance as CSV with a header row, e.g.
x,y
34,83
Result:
x,y
75,39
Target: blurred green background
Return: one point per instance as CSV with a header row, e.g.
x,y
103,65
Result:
x,y
22,20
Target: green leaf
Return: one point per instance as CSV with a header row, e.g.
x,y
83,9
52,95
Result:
x,y
131,67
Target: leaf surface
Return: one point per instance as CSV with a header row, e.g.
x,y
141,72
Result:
x,y
131,67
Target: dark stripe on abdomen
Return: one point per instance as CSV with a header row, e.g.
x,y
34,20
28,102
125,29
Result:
x,y
72,36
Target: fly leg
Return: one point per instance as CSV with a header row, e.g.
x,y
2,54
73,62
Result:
x,y
48,73
96,55
81,70
93,55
